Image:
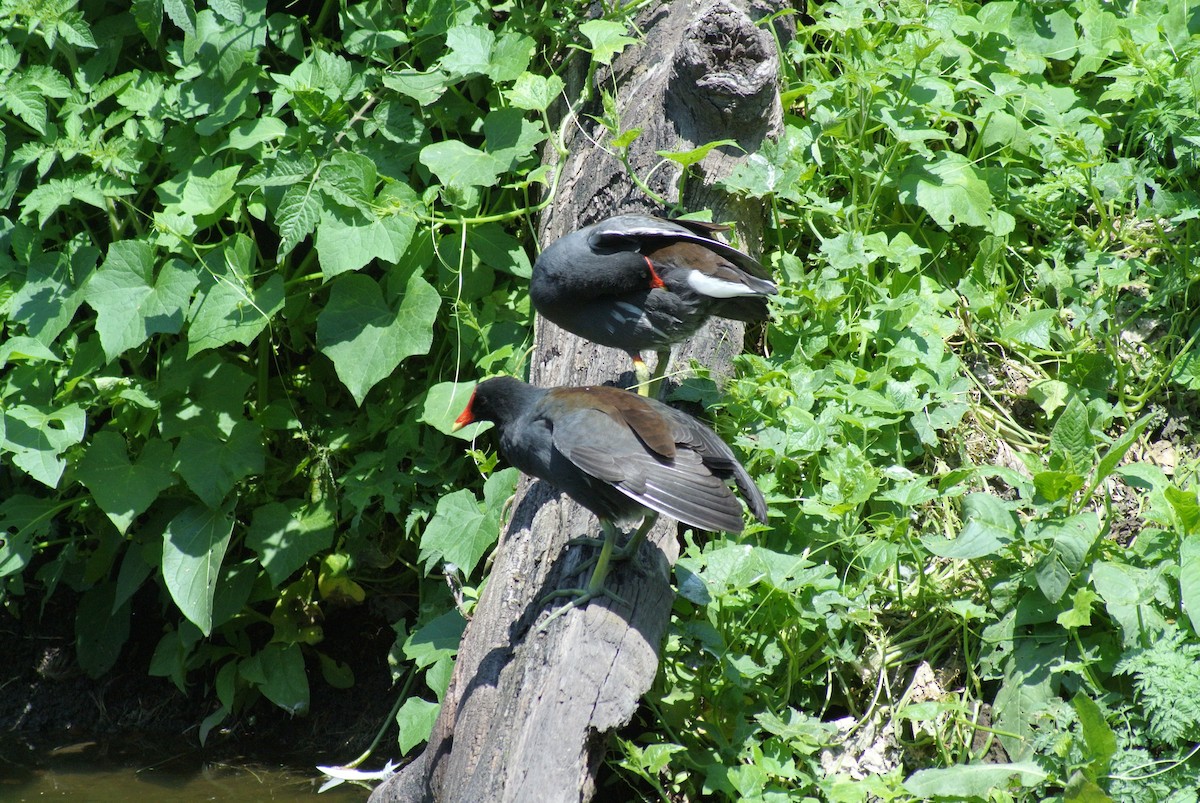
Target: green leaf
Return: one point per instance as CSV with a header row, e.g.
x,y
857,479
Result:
x,y
206,189
1072,437
416,719
460,532
689,158
1100,739
100,631
1049,394
1080,614
423,87
285,536
347,241
278,672
24,348
1053,486
607,39
1071,539
230,309
365,338
510,137
182,13
972,780
1189,578
93,189
37,437
121,488
950,189
1112,458
435,640
211,461
130,304
443,404
468,50
990,526
1050,35
458,165
499,250
297,215
1032,328
193,548
535,92
23,519
510,57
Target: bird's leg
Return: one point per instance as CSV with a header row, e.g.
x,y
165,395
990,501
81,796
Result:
x,y
660,369
595,587
641,374
620,553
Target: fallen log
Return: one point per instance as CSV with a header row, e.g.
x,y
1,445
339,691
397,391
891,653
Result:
x,y
528,713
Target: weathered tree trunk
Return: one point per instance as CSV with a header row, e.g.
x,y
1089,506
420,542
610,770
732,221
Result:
x,y
527,713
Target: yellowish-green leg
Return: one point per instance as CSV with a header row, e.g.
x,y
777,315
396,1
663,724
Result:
x,y
608,554
641,374
660,370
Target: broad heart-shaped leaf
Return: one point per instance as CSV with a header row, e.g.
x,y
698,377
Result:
x,y
100,631
458,165
443,404
949,188
37,438
462,530
1189,578
130,304
469,48
510,137
53,290
230,309
23,519
416,718
121,488
211,461
347,240
972,781
365,338
193,548
990,526
1032,328
435,639
278,672
607,38
498,249
285,536
534,92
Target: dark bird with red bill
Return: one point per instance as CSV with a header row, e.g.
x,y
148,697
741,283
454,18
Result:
x,y
637,282
620,455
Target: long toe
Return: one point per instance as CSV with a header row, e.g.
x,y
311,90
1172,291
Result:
x,y
581,597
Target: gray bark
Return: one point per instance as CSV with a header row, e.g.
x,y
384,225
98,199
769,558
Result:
x,y
528,713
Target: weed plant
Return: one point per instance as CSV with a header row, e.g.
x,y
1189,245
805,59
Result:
x,y
252,260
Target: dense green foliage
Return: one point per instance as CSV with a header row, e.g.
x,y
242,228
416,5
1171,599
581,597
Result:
x,y
250,261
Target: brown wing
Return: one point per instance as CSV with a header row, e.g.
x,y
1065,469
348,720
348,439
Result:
x,y
623,441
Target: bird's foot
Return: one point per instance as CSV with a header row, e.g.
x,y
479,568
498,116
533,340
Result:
x,y
623,553
582,596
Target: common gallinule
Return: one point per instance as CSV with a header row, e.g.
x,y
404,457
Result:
x,y
620,455
637,282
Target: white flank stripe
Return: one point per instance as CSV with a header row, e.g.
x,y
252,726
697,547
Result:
x,y
713,287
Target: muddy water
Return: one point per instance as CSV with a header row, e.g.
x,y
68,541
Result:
x,y
102,773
